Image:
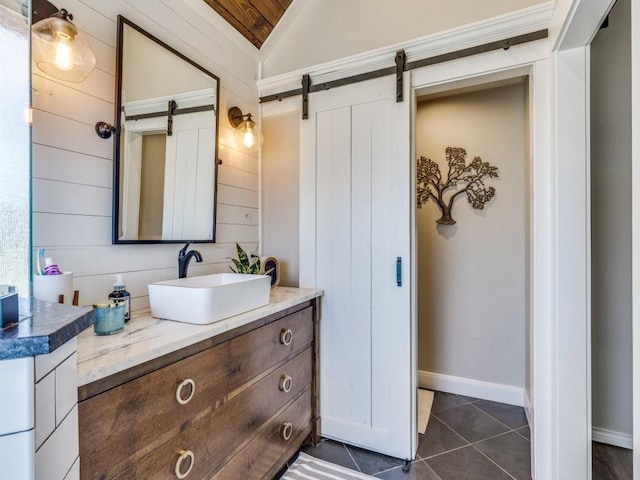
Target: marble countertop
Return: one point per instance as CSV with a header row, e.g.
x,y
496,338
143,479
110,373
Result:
x,y
145,338
50,326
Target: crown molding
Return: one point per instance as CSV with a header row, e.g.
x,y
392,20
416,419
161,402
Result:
x,y
515,23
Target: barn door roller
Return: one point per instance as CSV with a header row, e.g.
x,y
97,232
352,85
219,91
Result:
x,y
306,83
401,60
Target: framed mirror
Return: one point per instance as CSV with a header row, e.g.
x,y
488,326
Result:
x,y
165,154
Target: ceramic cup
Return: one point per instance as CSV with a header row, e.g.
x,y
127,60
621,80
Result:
x,y
50,287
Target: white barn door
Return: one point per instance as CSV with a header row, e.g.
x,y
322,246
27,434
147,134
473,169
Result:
x,y
189,177
355,245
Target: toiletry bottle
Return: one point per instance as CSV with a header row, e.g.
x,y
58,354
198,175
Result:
x,y
50,267
120,294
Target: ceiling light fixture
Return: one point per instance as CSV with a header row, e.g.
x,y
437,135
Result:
x,y
59,49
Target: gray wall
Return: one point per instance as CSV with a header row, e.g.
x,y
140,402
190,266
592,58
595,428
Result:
x,y
280,206
611,223
472,275
318,31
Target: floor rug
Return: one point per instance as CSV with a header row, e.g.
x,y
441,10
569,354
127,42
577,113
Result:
x,y
307,467
425,401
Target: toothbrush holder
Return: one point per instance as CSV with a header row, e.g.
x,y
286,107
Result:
x,y
50,287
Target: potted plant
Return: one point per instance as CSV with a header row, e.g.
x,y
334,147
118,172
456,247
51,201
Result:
x,y
245,263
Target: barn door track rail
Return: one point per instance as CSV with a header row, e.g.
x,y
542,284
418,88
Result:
x,y
401,66
172,110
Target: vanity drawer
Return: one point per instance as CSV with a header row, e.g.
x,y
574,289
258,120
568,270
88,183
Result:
x,y
124,424
211,440
262,458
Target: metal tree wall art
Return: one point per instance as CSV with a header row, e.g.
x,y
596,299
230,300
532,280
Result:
x,y
461,179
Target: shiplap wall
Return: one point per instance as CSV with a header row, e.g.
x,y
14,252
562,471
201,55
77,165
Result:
x,y
72,166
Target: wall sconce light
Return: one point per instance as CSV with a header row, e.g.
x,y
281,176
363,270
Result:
x,y
59,49
245,127
104,129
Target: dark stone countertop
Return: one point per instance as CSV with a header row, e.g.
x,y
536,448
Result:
x,y
50,326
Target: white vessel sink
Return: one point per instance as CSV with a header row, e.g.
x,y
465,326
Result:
x,y
208,298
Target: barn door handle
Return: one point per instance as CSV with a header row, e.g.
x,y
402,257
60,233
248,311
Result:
x,y
399,271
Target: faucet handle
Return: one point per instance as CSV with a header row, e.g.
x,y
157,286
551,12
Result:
x,y
183,250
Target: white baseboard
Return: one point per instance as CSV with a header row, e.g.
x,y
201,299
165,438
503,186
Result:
x,y
610,437
495,392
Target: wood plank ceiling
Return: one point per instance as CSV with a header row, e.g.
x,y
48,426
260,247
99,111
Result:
x,y
254,19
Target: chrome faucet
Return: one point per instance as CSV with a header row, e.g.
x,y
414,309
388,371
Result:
x,y
184,258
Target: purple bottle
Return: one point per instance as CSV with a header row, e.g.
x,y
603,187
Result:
x,y
50,267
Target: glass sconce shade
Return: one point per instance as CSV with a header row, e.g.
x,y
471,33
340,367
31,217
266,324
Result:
x,y
59,50
247,132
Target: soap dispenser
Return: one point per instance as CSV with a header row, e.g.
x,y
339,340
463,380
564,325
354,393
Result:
x,y
120,294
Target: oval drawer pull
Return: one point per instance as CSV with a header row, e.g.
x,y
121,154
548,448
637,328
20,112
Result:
x,y
285,383
286,336
184,454
287,431
192,391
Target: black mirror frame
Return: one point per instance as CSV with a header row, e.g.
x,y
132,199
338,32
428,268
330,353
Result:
x,y
122,21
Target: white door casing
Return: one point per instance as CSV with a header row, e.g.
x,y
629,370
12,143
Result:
x,y
573,316
570,127
355,223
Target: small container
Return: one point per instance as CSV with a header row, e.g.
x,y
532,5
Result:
x,y
109,318
9,308
49,287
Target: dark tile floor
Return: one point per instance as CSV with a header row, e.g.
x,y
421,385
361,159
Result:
x,y
468,438
611,463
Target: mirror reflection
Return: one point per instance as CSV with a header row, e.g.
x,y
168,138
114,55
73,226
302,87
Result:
x,y
165,160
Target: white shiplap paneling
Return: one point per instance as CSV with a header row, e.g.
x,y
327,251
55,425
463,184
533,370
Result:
x,y
72,166
56,164
238,178
53,229
232,214
55,131
68,102
237,196
233,157
52,196
99,83
112,259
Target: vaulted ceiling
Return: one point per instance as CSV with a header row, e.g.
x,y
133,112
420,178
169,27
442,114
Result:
x,y
254,19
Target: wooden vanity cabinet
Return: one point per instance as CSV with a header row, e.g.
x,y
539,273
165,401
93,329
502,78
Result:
x,y
236,406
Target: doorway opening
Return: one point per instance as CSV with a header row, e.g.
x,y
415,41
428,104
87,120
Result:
x,y
611,245
472,276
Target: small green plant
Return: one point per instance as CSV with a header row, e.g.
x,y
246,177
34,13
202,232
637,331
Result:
x,y
245,263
